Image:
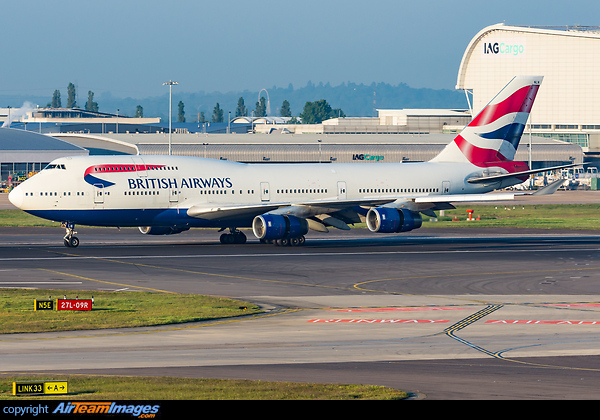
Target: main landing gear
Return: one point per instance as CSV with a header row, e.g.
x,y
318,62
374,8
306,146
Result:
x,y
237,237
234,237
299,241
70,240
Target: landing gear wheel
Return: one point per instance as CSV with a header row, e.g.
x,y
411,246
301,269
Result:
x,y
69,240
235,237
297,241
240,238
227,239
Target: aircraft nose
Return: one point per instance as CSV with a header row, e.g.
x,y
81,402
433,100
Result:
x,y
16,197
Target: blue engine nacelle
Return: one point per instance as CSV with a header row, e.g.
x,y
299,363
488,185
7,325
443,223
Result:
x,y
393,220
162,230
275,226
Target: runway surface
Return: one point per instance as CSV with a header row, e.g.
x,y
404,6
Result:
x,y
440,313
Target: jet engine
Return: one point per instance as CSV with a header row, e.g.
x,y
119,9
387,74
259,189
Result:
x,y
392,220
162,230
274,226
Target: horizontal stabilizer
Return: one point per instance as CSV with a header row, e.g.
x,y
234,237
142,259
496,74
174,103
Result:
x,y
550,188
495,178
464,198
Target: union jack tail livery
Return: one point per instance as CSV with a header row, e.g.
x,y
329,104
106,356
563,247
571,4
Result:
x,y
492,137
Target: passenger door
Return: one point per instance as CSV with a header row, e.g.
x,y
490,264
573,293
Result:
x,y
342,190
98,194
445,187
264,192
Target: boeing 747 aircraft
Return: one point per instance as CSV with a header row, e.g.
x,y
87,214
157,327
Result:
x,y
165,195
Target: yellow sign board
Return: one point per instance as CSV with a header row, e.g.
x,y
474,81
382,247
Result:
x,y
55,387
24,388
44,305
27,388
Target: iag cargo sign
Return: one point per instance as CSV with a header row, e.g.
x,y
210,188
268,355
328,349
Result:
x,y
364,156
504,48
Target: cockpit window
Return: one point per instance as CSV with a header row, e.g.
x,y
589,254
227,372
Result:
x,y
55,166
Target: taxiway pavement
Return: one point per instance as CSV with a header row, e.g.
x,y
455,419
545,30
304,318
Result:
x,y
439,313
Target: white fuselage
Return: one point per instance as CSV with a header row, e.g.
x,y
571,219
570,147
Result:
x,y
158,190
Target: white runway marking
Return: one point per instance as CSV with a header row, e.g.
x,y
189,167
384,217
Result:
x,y
41,282
306,254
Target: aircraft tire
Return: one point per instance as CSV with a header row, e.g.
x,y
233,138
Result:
x,y
239,238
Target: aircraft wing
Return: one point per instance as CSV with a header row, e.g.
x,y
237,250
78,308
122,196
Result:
x,y
301,209
339,213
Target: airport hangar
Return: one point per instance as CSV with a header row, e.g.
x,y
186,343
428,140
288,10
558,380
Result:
x,y
564,125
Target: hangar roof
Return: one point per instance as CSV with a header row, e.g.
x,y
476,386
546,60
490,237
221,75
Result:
x,y
12,140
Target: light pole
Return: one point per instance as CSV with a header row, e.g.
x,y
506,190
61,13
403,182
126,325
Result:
x,y
170,83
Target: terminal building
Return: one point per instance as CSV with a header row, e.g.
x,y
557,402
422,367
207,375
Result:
x,y
564,125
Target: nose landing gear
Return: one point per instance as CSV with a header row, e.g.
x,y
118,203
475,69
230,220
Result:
x,y
69,240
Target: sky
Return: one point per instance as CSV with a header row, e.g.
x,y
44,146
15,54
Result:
x,y
131,47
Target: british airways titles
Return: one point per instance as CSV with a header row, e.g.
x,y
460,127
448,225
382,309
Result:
x,y
170,183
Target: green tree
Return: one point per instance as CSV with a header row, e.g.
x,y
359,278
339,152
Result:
x,y
56,103
217,115
241,110
139,111
316,112
337,113
90,105
261,108
285,110
202,117
71,103
181,113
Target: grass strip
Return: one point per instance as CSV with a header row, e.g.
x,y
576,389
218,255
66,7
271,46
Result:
x,y
169,388
545,216
112,310
541,216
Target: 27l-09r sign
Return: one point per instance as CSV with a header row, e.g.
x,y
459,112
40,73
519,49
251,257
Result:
x,y
74,305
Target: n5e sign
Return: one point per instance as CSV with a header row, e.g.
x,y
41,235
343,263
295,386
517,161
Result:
x,y
74,305
43,305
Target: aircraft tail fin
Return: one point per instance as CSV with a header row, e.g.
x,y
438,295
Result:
x,y
492,137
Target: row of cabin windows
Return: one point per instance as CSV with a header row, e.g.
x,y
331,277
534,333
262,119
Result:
x,y
154,192
144,192
303,191
53,194
224,192
281,191
130,168
398,190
